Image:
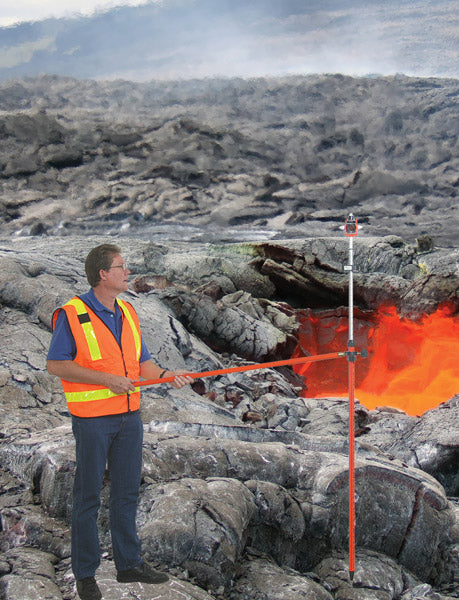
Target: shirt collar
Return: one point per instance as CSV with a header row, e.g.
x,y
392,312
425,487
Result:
x,y
97,306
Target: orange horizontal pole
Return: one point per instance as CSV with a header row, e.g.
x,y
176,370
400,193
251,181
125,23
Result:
x,y
255,367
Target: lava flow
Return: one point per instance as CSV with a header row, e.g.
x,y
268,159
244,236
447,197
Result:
x,y
411,365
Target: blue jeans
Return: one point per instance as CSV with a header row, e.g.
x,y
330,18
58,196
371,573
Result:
x,y
114,441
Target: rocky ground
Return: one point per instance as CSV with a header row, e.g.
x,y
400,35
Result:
x,y
244,489
290,157
227,197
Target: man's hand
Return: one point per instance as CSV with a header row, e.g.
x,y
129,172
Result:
x,y
181,378
150,370
118,384
71,371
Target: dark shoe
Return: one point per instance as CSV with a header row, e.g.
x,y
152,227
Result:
x,y
88,589
143,573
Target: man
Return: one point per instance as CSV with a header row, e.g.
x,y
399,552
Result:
x,y
98,352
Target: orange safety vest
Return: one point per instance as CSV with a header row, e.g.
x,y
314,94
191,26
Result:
x,y
97,348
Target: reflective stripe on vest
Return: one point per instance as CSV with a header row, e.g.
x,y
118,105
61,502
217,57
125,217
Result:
x,y
92,395
87,327
135,331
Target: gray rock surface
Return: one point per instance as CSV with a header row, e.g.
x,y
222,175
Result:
x,y
28,573
420,442
388,270
236,323
263,578
288,156
173,589
294,506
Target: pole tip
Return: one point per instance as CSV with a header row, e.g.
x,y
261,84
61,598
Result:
x,y
351,576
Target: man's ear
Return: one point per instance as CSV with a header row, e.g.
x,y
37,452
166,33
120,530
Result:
x,y
102,274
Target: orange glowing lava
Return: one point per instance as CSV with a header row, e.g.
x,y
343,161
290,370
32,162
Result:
x,y
411,365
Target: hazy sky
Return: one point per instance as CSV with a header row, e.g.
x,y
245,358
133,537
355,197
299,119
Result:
x,y
257,38
16,11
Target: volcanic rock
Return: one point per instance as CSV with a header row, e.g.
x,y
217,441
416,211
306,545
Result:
x,y
261,574
236,323
387,271
197,269
422,444
29,573
289,156
311,481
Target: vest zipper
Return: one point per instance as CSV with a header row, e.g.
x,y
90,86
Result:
x,y
126,374
128,395
124,362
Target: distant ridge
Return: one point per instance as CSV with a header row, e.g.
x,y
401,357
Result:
x,y
181,39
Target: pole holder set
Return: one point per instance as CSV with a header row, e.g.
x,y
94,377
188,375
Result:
x,y
353,355
350,230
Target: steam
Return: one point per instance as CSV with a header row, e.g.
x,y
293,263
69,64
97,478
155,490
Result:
x,y
177,39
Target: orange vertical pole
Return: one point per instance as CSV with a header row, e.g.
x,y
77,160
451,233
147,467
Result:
x,y
351,377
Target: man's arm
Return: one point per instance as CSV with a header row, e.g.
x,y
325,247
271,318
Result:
x,y
72,371
149,370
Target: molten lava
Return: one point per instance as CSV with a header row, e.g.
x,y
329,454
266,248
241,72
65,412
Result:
x,y
411,365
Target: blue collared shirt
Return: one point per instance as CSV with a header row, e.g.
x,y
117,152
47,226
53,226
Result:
x,y
63,345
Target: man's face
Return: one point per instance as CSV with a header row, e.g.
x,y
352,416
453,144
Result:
x,y
116,277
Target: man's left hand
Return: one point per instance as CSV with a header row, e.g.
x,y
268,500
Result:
x,y
181,378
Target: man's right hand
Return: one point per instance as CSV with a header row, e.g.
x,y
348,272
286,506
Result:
x,y
118,384
71,371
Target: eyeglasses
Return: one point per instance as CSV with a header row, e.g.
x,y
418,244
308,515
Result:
x,y
124,266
